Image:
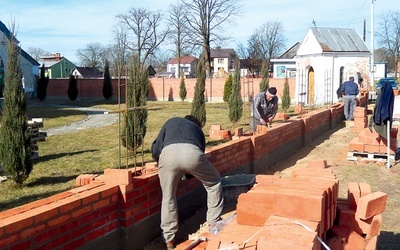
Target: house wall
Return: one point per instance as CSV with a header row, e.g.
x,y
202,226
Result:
x,y
60,69
29,71
173,68
119,210
327,74
167,89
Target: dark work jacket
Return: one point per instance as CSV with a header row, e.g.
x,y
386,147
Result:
x,y
178,130
383,110
262,108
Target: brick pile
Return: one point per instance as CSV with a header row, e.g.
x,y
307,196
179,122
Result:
x,y
302,212
217,133
360,119
370,142
34,125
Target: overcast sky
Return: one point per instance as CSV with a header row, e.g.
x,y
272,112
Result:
x,y
68,25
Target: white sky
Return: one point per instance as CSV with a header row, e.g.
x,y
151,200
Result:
x,y
68,25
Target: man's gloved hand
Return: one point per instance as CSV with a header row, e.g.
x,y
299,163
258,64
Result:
x,y
262,121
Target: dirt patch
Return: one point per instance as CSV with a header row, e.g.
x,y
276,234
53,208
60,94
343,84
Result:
x,y
333,147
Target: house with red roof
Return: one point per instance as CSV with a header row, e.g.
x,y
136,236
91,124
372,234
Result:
x,y
186,66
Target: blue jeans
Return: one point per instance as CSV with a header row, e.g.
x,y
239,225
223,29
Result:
x,y
350,102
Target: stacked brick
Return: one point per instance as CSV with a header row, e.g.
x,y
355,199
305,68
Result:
x,y
360,119
34,125
217,133
370,142
302,212
358,221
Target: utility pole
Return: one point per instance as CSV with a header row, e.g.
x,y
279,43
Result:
x,y
372,66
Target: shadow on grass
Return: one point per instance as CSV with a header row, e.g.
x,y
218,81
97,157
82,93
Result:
x,y
56,156
388,241
50,180
27,199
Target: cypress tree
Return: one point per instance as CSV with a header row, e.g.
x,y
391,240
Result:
x,y
199,103
182,89
107,85
134,127
235,100
264,84
15,140
286,96
227,88
72,88
42,83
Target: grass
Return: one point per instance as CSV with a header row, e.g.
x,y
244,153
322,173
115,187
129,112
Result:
x,y
64,157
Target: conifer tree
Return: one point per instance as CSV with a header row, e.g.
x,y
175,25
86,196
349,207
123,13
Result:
x,y
264,84
42,83
235,100
227,88
72,88
286,96
134,127
15,140
107,85
199,104
182,89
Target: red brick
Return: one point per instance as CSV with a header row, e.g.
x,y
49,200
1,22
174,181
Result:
x,y
360,112
59,220
364,189
317,164
351,240
33,230
254,208
17,222
215,127
353,194
371,243
356,146
300,205
371,148
117,176
8,240
373,226
263,179
371,204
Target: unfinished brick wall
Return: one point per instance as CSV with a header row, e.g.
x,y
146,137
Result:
x,y
118,207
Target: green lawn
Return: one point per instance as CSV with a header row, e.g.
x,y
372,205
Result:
x,y
64,157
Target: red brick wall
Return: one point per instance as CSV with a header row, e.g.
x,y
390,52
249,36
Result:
x,y
167,89
118,200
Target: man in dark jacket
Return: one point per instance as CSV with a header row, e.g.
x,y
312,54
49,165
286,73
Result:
x,y
179,149
264,108
350,92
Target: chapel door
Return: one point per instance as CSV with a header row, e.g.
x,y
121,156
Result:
x,y
311,87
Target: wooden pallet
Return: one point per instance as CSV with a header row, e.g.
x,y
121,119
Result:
x,y
353,156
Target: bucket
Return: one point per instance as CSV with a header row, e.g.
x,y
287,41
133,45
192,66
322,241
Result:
x,y
234,185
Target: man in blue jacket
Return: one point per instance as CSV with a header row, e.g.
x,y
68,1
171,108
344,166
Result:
x,y
350,92
179,149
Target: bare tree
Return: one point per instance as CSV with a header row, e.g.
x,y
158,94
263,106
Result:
x,y
250,59
146,34
37,53
118,52
179,34
206,19
389,38
92,55
268,41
